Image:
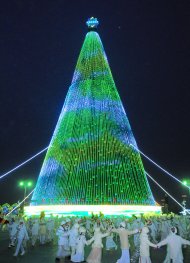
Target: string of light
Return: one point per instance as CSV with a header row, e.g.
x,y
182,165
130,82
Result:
x,y
165,171
18,166
43,150
88,158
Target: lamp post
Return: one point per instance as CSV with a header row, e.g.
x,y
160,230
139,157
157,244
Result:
x,y
25,185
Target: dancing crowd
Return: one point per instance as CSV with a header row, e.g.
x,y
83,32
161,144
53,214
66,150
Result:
x,y
133,235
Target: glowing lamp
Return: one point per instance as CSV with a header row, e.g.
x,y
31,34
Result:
x,y
21,183
185,182
29,184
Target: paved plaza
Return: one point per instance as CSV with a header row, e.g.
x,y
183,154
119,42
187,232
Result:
x,y
46,253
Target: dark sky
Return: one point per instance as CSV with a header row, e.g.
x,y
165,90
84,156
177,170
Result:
x,y
148,48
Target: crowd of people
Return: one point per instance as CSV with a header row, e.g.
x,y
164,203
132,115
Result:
x,y
133,235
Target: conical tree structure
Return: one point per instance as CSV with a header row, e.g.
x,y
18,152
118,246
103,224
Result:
x,y
90,159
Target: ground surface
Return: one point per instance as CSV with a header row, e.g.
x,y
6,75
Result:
x,y
46,253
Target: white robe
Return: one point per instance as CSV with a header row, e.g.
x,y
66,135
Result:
x,y
62,236
35,229
174,243
144,248
96,252
80,244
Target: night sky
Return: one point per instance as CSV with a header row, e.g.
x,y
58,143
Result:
x,y
148,47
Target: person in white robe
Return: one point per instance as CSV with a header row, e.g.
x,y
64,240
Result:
x,y
145,245
123,235
95,255
62,234
21,235
12,227
35,231
73,235
174,243
80,244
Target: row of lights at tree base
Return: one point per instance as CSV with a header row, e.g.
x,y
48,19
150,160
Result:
x,y
96,201
87,210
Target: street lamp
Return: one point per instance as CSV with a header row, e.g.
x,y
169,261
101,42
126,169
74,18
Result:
x,y
21,183
186,183
25,185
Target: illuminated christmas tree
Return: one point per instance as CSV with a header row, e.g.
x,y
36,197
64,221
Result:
x,y
90,159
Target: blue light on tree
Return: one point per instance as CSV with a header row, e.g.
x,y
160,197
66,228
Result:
x,y
92,22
